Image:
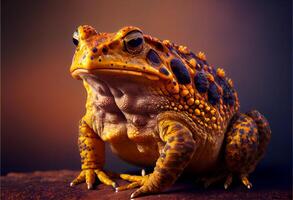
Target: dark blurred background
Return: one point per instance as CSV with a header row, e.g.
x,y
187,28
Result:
x,y
41,104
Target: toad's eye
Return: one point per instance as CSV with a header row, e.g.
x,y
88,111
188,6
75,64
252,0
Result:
x,y
75,38
133,42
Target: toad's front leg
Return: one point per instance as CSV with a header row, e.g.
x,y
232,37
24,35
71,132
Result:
x,y
92,153
176,154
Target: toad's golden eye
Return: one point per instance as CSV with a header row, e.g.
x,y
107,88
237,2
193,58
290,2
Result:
x,y
75,38
133,42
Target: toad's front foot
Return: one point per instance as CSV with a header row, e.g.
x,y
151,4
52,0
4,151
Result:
x,y
89,176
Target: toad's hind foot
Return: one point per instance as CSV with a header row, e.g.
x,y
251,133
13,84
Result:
x,y
247,139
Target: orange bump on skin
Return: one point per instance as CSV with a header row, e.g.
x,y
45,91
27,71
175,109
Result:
x,y
183,49
197,102
201,106
213,112
221,72
184,93
197,111
172,104
201,55
190,101
186,107
214,119
202,113
180,107
166,42
208,108
190,110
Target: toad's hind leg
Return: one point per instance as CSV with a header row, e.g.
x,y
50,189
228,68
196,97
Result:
x,y
246,142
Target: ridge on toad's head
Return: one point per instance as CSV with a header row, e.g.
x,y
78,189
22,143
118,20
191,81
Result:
x,y
127,52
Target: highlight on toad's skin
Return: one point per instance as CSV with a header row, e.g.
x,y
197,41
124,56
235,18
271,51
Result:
x,y
160,105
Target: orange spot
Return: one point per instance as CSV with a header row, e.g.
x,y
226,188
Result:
x,y
190,101
201,55
183,49
197,102
184,93
197,111
220,72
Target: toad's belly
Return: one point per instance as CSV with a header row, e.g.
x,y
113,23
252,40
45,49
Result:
x,y
204,159
144,155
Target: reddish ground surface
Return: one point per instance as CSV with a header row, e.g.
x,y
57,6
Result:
x,y
55,185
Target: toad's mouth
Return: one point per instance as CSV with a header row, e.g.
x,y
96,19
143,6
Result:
x,y
77,73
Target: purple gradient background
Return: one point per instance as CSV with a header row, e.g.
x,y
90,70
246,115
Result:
x,y
41,103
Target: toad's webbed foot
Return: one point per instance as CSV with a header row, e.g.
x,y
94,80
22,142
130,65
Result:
x,y
90,175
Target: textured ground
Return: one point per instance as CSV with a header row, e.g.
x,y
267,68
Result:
x,y
55,185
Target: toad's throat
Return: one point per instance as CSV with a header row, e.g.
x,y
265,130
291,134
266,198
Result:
x,y
126,96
